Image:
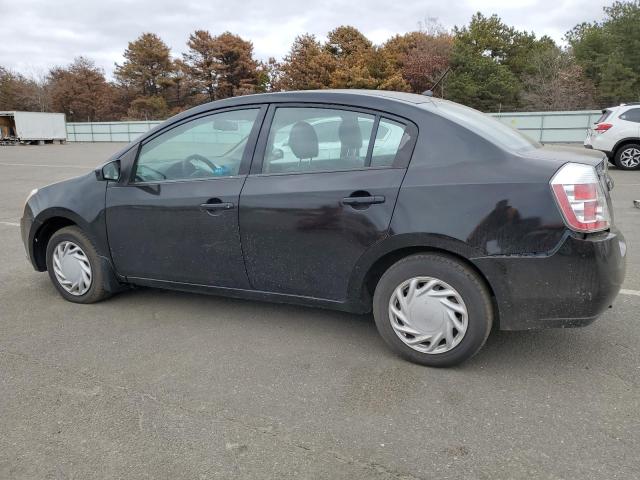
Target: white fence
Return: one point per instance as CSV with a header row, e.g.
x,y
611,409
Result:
x,y
552,127
107,131
546,127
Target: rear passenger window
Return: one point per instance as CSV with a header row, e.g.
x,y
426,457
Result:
x,y
313,139
632,115
323,139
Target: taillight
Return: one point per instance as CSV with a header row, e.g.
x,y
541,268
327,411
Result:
x,y
603,127
581,198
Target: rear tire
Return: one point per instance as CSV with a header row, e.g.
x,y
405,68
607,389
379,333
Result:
x,y
627,157
65,266
433,297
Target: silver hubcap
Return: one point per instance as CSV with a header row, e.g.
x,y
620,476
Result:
x,y
428,315
72,268
630,157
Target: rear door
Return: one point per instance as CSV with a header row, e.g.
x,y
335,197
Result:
x,y
306,217
174,217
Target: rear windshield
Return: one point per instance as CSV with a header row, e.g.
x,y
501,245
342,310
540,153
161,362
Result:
x,y
604,116
487,126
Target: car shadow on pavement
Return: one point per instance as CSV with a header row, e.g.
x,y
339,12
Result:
x,y
526,350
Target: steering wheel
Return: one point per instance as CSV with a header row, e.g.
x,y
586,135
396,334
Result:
x,y
189,168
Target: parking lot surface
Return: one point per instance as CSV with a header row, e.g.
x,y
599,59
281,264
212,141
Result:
x,y
158,384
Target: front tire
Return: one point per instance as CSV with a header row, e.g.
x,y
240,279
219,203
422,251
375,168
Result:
x,y
433,310
628,157
74,266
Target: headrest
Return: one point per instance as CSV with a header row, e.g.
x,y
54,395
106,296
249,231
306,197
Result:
x,y
303,140
349,133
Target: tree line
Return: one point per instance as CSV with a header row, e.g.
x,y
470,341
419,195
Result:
x,y
485,64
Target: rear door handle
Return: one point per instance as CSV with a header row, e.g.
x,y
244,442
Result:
x,y
212,207
373,199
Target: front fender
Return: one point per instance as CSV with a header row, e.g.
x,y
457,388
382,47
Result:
x,y
80,201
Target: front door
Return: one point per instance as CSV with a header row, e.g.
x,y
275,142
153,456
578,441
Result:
x,y
175,218
308,212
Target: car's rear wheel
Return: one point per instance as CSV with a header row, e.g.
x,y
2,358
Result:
x,y
628,157
433,310
74,266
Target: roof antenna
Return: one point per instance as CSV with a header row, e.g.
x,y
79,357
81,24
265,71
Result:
x,y
429,93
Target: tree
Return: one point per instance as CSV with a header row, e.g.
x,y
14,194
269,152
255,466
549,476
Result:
x,y
148,108
222,66
306,66
417,59
200,63
354,59
556,82
81,91
481,83
18,92
237,70
489,60
147,67
609,52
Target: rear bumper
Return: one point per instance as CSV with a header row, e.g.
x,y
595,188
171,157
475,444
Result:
x,y
569,288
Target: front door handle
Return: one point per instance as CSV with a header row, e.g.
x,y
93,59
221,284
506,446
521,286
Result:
x,y
370,200
215,205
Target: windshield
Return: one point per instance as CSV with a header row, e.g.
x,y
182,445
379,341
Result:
x,y
487,126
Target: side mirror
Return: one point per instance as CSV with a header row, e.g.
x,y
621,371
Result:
x,y
110,171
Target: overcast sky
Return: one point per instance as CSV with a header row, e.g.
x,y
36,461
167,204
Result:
x,y
38,34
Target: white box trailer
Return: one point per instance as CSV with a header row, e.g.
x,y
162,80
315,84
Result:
x,y
37,127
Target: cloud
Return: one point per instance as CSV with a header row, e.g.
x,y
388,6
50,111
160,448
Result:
x,y
40,34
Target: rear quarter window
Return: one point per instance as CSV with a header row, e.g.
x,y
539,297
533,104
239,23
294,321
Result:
x,y
632,115
604,116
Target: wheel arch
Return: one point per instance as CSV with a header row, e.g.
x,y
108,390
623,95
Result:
x,y
377,260
622,143
49,223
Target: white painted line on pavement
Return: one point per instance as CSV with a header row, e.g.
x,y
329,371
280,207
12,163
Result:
x,y
41,165
10,224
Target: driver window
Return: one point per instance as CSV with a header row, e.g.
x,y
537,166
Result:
x,y
207,147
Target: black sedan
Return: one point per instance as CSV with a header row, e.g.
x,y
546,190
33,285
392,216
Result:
x,y
441,220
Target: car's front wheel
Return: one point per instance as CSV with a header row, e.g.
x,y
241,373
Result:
x,y
433,310
74,266
628,157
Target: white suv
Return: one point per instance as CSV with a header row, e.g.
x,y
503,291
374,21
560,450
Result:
x,y
617,133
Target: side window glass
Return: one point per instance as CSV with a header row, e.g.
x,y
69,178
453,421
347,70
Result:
x,y
392,140
632,115
314,139
211,146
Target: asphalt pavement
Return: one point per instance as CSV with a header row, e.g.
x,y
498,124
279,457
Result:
x,y
166,385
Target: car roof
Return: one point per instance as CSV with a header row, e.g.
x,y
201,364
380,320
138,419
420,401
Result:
x,y
623,106
330,94
380,99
